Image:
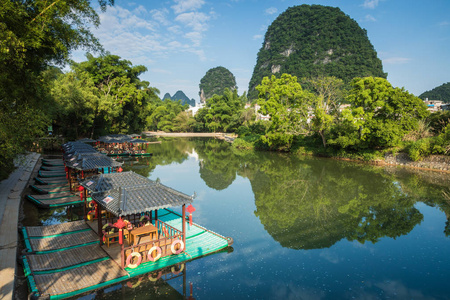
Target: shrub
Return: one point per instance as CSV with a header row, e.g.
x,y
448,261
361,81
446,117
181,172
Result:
x,y
418,150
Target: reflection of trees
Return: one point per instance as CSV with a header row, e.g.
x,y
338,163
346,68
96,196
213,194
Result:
x,y
427,186
218,164
308,204
168,152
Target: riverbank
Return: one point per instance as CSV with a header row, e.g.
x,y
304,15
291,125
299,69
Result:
x,y
434,162
11,190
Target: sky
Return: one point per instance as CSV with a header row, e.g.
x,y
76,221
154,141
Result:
x,y
180,40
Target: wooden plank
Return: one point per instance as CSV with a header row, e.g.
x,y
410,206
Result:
x,y
63,241
67,258
41,231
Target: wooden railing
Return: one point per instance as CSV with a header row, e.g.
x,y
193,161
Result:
x,y
166,236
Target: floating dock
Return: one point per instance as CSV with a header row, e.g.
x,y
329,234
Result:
x,y
65,260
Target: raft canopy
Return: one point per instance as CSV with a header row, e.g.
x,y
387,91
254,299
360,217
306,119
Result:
x,y
129,193
90,161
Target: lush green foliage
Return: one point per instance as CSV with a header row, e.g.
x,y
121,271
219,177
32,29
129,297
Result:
x,y
313,40
34,34
103,94
215,81
441,92
222,113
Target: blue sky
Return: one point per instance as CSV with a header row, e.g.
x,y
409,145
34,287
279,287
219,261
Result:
x,y
180,40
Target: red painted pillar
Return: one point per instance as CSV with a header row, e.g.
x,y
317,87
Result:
x,y
184,224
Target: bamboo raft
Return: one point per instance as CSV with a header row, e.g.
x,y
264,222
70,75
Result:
x,y
51,181
54,200
51,189
46,174
53,162
67,262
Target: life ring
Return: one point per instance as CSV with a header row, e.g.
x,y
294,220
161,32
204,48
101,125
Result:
x,y
172,247
119,152
151,278
106,226
158,256
177,272
91,204
130,257
132,286
141,220
142,151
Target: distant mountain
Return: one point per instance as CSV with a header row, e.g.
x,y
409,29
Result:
x,y
215,81
441,92
179,95
314,40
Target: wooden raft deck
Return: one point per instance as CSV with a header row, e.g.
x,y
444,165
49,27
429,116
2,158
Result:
x,y
64,259
55,202
67,266
50,189
78,280
60,242
42,231
51,181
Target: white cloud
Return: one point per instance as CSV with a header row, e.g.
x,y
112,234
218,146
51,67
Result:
x,y
257,36
182,6
370,4
194,36
194,20
444,23
160,16
369,18
396,60
271,10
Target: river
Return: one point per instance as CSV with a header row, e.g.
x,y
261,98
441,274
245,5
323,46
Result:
x,y
303,228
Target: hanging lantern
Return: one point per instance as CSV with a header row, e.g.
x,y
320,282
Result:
x,y
120,169
190,210
120,224
81,189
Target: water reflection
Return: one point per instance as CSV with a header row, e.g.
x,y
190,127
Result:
x,y
307,203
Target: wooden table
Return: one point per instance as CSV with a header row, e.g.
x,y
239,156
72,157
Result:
x,y
151,230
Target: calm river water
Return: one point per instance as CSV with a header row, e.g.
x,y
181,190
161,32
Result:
x,y
303,228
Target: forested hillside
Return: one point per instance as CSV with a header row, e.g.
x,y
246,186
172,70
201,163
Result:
x,y
314,40
180,95
441,92
215,81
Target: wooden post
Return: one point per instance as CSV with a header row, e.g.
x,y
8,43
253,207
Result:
x,y
85,204
183,216
122,253
99,220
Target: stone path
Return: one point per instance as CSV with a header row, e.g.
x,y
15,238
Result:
x,y
10,196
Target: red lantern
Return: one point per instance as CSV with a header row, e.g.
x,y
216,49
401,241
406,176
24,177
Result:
x,y
190,210
120,169
120,224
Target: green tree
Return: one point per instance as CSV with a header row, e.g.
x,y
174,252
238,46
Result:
x,y
329,94
33,35
222,113
386,113
287,104
120,94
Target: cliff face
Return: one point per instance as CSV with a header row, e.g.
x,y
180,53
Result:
x,y
314,40
215,81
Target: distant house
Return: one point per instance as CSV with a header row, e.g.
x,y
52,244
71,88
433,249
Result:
x,y
445,106
433,105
